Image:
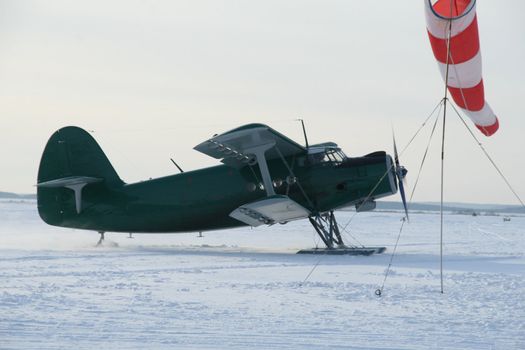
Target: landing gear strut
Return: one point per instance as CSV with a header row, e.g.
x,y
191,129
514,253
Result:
x,y
101,240
327,228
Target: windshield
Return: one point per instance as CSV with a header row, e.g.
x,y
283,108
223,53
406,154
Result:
x,y
327,155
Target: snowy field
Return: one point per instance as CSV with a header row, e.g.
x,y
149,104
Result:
x,y
244,289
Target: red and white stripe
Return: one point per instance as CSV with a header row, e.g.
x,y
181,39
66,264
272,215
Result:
x,y
465,82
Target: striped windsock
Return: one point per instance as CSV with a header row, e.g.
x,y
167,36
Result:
x,y
465,82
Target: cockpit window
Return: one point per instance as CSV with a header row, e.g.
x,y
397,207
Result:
x,y
327,155
335,155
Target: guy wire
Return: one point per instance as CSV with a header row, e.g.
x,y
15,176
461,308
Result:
x,y
379,291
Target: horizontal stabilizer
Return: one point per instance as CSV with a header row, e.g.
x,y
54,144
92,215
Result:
x,y
269,211
75,183
69,181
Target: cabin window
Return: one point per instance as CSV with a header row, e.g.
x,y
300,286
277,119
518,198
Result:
x,y
318,157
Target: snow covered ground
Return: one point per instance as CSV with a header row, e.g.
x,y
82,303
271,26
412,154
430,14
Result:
x,y
243,288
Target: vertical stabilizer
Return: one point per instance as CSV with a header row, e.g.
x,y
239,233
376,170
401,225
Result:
x,y
73,168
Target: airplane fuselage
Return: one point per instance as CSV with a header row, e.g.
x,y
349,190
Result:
x,y
202,199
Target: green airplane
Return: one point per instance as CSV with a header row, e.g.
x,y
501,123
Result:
x,y
266,178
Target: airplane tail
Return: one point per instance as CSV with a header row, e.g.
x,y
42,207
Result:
x,y
74,173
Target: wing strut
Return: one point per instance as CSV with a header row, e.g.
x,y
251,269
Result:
x,y
258,152
310,203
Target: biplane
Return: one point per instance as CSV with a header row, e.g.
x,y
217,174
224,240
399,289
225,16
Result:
x,y
265,179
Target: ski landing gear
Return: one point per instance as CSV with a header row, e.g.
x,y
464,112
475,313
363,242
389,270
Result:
x,y
327,228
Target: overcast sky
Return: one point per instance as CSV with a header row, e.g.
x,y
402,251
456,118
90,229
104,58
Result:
x,y
152,79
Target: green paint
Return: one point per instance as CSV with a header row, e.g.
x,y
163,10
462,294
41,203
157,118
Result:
x,y
197,200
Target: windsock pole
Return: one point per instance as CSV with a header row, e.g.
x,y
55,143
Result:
x,y
445,99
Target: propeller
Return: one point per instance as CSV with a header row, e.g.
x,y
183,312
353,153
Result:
x,y
401,173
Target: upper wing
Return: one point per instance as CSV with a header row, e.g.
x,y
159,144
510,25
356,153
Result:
x,y
234,147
